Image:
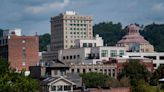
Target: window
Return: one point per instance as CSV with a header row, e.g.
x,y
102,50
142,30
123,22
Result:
x,y
161,57
53,88
74,56
72,70
67,88
23,41
78,56
78,70
90,45
84,44
121,52
63,57
104,53
113,53
59,88
70,57
83,70
150,57
154,65
67,57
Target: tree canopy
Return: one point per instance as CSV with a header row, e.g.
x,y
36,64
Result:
x,y
109,31
135,72
44,40
154,33
10,81
93,79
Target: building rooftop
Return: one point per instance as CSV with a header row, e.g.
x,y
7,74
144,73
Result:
x,y
133,36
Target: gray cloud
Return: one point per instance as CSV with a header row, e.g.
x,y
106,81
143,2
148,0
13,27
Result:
x,y
47,7
34,15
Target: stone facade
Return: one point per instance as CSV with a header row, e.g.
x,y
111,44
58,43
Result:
x,y
67,27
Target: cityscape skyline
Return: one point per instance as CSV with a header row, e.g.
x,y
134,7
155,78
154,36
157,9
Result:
x,y
34,16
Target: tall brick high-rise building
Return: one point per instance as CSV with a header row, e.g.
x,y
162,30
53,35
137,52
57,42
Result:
x,y
20,51
67,27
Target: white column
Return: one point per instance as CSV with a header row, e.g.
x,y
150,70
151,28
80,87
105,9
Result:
x,y
111,70
71,88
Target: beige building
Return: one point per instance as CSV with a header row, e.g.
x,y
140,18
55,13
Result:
x,y
134,42
108,69
67,27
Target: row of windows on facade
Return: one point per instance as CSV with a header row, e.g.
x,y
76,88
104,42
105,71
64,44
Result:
x,y
77,24
70,46
60,88
113,53
71,21
104,53
77,17
151,57
3,42
76,37
76,29
77,33
89,44
92,70
109,71
71,57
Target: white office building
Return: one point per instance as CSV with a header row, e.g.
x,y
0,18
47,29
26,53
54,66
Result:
x,y
90,55
16,31
95,42
157,57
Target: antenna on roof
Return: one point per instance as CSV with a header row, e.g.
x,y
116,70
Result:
x,y
36,34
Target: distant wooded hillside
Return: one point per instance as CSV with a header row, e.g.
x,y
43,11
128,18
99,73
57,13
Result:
x,y
112,33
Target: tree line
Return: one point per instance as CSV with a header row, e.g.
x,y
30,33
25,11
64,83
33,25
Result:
x,y
113,32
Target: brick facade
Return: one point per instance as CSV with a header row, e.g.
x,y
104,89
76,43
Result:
x,y
23,51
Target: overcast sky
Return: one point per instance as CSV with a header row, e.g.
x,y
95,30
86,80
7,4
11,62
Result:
x,y
34,15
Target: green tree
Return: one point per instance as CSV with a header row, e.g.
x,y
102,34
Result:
x,y
44,40
154,33
93,79
135,72
157,74
125,82
10,81
143,87
109,31
4,66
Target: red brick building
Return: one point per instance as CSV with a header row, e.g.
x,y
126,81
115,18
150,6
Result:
x,y
22,51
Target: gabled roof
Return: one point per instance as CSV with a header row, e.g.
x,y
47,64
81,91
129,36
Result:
x,y
50,80
56,64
